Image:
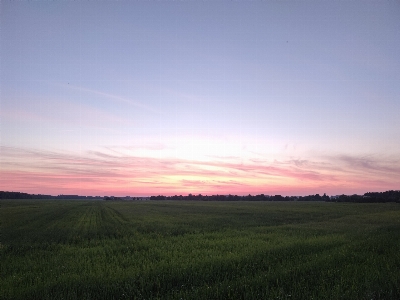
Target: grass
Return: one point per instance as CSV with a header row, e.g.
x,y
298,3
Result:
x,y
199,250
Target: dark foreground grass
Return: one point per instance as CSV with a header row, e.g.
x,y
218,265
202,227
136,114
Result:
x,y
199,250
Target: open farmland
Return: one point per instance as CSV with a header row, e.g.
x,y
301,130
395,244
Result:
x,y
199,250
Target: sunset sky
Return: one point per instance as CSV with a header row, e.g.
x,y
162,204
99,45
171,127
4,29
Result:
x,y
145,98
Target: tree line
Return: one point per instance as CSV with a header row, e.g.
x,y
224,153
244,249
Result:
x,y
370,197
388,196
19,195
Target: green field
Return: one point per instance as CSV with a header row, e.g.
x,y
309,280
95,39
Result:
x,y
199,250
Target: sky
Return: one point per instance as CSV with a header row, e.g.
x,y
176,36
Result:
x,y
146,98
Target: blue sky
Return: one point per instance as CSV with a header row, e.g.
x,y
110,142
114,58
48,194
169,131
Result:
x,y
203,95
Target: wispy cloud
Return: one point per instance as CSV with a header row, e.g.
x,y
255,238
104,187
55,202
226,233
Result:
x,y
113,97
145,145
105,172
62,112
371,163
19,115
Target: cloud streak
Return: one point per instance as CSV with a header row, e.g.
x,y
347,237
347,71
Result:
x,y
97,172
62,112
114,98
369,164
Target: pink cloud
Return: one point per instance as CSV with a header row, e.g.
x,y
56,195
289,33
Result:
x,y
63,112
101,173
19,115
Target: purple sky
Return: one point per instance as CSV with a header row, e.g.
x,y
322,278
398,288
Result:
x,y
177,97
